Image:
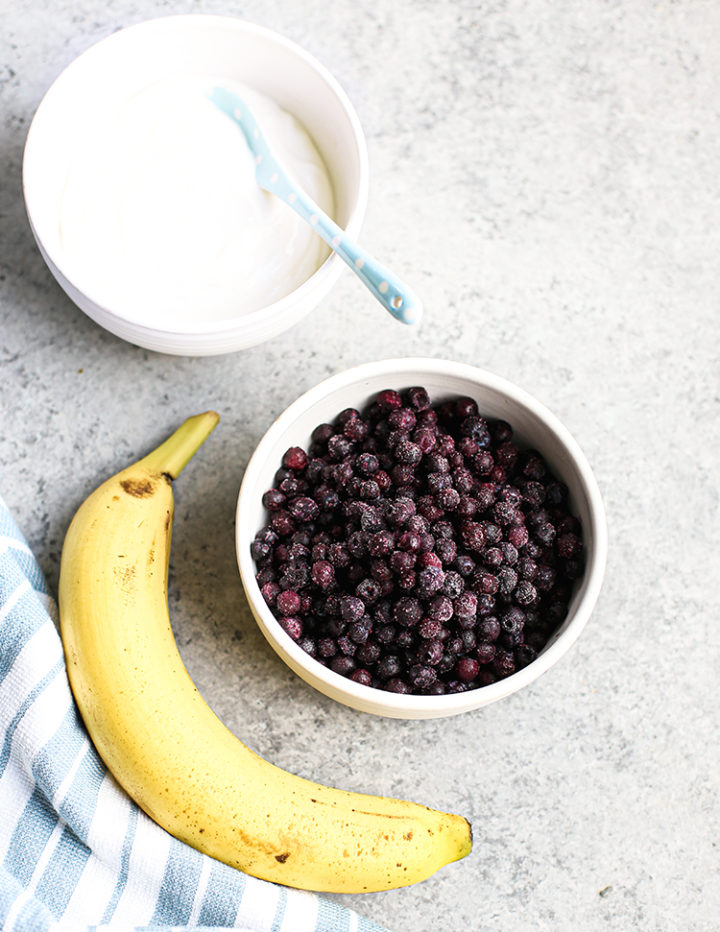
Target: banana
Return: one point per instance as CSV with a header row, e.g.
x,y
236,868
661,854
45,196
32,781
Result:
x,y
167,748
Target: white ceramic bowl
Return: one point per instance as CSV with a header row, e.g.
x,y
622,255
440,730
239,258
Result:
x,y
534,426
139,55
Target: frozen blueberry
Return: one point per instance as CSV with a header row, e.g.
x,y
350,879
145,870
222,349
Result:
x,y
352,608
430,652
288,602
421,676
292,626
465,605
303,508
525,593
429,627
295,458
343,665
440,608
504,663
417,398
485,652
430,580
397,685
408,611
389,666
489,628
466,669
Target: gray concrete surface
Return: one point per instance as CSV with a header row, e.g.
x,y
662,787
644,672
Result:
x,y
548,175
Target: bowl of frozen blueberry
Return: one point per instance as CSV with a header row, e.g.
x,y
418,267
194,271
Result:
x,y
419,537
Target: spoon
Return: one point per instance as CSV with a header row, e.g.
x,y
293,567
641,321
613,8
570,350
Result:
x,y
394,295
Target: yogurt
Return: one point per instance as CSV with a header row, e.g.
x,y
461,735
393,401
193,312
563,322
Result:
x,y
161,213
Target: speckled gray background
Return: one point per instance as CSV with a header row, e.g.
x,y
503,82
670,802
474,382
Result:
x,y
547,173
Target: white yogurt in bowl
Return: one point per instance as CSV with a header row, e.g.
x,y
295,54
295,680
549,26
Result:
x,y
141,194
161,211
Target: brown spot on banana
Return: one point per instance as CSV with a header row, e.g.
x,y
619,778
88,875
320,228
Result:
x,y
138,488
126,580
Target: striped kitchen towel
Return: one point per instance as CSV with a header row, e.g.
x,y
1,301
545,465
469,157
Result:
x,y
75,851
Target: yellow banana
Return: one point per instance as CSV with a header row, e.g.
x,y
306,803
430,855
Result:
x,y
167,748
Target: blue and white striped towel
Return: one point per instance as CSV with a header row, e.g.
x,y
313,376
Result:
x,y
76,851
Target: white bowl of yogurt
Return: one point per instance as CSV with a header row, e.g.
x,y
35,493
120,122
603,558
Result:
x,y
142,197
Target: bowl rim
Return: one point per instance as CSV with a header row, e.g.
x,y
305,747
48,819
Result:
x,y
324,276
363,697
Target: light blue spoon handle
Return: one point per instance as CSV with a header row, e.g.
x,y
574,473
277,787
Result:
x,y
394,295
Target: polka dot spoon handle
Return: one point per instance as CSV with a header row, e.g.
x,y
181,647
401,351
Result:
x,y
394,295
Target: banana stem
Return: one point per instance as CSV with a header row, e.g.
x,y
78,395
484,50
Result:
x,y
173,455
